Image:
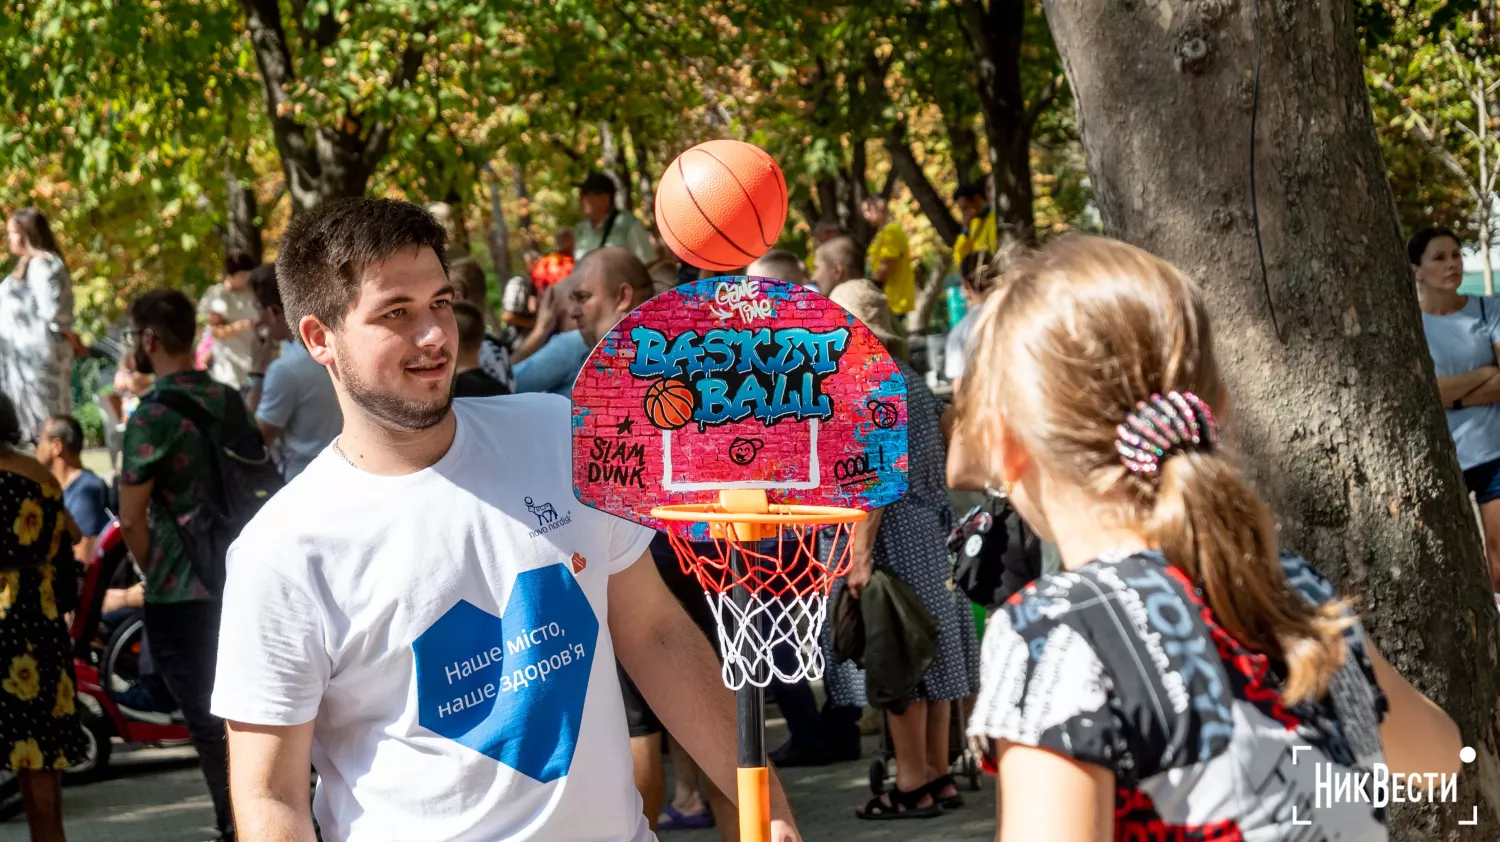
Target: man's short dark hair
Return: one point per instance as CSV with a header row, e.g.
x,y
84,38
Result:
x,y
170,317
263,284
469,280
324,252
237,261
10,422
597,183
969,190
66,430
470,325
1417,245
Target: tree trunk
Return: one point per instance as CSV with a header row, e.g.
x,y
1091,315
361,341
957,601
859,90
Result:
x,y
241,232
610,152
905,164
320,162
928,296
497,235
857,190
643,170
965,144
995,35
1333,400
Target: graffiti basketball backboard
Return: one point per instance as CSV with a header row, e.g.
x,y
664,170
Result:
x,y
733,383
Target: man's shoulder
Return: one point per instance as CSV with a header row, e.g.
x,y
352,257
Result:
x,y
90,481
539,408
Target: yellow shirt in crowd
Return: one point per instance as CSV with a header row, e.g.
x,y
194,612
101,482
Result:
x,y
978,235
900,280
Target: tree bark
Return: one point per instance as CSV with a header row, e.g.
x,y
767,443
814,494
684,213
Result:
x,y
610,153
964,142
497,235
1332,393
241,232
995,35
320,162
643,170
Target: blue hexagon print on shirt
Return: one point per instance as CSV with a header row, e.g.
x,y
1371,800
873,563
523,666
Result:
x,y
512,687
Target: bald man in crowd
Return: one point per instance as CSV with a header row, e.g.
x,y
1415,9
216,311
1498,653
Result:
x,y
836,261
779,264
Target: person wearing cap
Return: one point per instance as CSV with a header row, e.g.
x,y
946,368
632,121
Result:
x,y
979,232
908,538
605,225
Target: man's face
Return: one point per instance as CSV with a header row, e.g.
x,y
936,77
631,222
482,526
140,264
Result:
x,y
969,207
875,215
47,448
594,205
827,273
394,353
237,281
273,321
596,305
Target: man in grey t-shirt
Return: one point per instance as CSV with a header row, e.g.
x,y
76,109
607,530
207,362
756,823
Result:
x,y
292,397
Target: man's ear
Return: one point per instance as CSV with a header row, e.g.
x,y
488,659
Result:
x,y
623,296
317,338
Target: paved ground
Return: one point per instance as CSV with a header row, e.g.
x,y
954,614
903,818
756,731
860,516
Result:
x,y
158,796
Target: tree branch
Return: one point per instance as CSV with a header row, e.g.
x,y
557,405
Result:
x,y
1429,141
274,60
1043,101
904,165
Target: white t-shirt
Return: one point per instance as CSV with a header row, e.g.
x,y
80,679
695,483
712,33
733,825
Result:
x,y
446,633
298,398
231,356
956,350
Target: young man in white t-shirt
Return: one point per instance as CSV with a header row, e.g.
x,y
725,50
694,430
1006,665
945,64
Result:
x,y
427,615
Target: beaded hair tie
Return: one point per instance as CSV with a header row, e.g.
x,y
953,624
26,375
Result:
x,y
1166,424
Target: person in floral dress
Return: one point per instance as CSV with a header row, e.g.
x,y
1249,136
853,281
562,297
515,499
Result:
x,y
40,734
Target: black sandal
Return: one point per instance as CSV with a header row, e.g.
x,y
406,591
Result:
x,y
952,802
902,805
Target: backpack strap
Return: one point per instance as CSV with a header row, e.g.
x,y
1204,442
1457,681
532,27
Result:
x,y
609,226
185,405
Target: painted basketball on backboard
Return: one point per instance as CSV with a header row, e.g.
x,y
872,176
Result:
x,y
738,382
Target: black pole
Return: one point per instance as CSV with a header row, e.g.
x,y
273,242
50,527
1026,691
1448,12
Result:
x,y
749,698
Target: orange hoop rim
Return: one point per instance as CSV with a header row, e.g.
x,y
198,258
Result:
x,y
779,514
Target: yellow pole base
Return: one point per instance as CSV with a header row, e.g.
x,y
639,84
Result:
x,y
755,804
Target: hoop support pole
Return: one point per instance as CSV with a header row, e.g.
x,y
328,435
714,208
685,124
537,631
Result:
x,y
754,779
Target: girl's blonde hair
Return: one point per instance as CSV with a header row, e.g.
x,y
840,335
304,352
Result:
x,y
1066,347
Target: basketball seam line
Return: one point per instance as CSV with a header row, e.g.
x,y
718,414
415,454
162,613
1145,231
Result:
x,y
694,199
760,227
705,262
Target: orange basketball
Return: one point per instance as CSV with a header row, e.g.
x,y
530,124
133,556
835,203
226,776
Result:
x,y
670,404
721,204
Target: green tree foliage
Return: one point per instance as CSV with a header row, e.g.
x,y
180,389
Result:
x,y
136,121
1434,78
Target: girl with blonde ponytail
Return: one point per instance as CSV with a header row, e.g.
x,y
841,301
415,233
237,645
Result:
x,y
1156,687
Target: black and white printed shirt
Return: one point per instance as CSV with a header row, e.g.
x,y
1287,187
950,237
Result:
x,y
1121,664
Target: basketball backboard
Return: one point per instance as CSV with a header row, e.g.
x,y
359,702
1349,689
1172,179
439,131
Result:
x,y
735,383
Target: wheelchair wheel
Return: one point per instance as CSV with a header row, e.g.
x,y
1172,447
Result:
x,y
877,776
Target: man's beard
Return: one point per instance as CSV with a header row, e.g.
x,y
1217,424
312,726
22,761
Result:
x,y
394,410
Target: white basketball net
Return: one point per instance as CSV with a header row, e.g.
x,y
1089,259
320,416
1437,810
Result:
x,y
770,627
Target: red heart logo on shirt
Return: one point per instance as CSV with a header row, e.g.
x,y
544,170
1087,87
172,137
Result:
x,y
579,562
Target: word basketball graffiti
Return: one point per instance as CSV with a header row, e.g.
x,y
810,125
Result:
x,y
733,383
